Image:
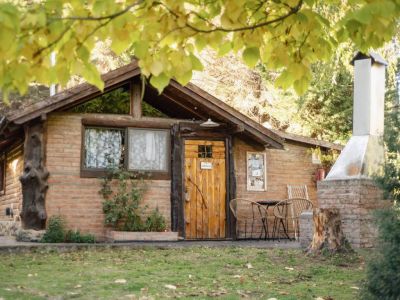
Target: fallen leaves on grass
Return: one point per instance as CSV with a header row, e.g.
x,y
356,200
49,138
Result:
x,y
121,281
249,266
170,286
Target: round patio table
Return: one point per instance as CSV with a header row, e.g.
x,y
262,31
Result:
x,y
268,203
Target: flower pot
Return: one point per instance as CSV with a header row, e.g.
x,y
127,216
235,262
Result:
x,y
320,174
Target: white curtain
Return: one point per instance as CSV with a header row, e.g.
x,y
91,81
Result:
x,y
103,148
148,150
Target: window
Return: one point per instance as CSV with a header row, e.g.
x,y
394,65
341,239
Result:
x,y
205,151
2,174
103,148
148,150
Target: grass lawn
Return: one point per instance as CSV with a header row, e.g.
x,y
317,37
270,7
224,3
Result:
x,y
228,273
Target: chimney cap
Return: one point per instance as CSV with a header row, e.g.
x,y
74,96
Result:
x,y
375,57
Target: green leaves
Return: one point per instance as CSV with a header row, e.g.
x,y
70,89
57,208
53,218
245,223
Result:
x,y
251,56
159,82
280,33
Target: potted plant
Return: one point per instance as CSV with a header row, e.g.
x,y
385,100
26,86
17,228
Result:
x,y
325,160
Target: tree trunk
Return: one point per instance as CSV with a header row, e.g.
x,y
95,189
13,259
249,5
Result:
x,y
34,179
328,233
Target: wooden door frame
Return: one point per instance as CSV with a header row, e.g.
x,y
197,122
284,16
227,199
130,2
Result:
x,y
229,190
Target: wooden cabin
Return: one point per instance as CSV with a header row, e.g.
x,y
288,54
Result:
x,y
53,153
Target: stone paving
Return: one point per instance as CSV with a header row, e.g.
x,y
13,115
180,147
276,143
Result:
x,y
8,244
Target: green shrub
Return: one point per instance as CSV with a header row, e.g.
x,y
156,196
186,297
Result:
x,y
123,192
55,232
77,237
122,208
155,222
383,271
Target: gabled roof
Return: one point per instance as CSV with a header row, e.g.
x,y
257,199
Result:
x,y
182,96
175,100
307,140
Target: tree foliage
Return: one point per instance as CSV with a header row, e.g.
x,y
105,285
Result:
x,y
166,36
383,272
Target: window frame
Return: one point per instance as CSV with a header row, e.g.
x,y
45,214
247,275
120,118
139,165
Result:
x,y
97,172
101,172
153,173
3,166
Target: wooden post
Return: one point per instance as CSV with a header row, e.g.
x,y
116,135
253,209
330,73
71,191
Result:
x,y
34,179
232,186
177,214
328,233
136,99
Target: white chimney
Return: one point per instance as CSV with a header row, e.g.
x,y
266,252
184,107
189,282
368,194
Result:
x,y
364,153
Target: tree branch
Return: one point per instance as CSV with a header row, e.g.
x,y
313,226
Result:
x,y
112,16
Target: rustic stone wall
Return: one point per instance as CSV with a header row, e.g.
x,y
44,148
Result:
x,y
76,198
290,166
9,228
13,195
306,228
356,200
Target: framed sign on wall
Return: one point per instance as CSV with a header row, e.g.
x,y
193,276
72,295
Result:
x,y
256,171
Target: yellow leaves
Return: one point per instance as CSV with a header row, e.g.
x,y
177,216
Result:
x,y
156,68
157,34
196,63
159,82
92,75
251,56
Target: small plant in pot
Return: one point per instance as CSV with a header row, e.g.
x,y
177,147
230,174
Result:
x,y
326,160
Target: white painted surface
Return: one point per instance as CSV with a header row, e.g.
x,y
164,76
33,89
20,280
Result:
x,y
364,153
369,93
362,97
361,158
205,165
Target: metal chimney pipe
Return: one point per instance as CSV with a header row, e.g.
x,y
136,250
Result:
x,y
364,153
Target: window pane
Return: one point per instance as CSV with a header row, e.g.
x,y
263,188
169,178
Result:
x,y
103,148
204,151
148,150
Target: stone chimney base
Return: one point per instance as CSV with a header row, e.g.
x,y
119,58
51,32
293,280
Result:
x,y
356,200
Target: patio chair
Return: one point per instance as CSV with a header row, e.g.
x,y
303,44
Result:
x,y
249,212
288,211
297,191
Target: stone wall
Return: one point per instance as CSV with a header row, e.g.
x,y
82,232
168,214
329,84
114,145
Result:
x,y
356,200
76,198
306,228
12,198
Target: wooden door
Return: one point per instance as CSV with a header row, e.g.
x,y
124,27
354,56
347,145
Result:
x,y
205,189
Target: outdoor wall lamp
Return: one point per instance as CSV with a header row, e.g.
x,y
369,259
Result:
x,y
209,124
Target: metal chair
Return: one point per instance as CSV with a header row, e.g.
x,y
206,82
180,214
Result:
x,y
297,191
249,212
290,210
